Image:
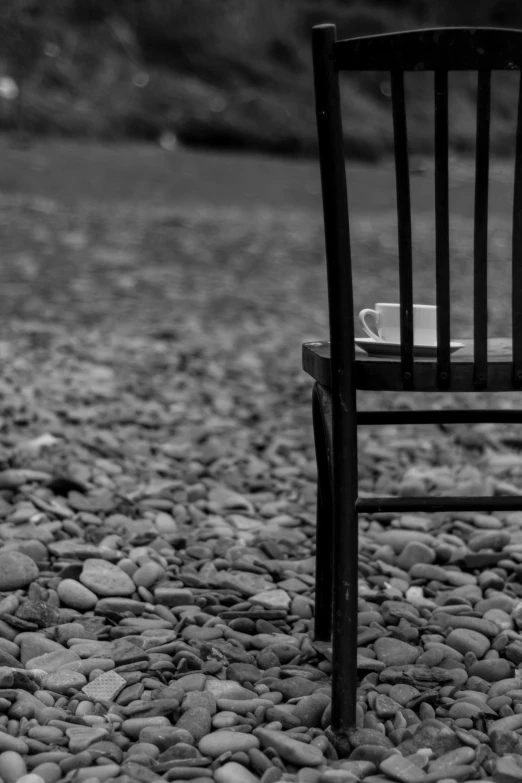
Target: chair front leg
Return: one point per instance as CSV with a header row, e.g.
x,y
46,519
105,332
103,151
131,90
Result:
x,y
324,516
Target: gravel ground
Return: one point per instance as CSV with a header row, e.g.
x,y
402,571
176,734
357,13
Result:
x,y
157,506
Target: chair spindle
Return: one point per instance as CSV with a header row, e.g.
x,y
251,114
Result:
x,y
442,270
402,176
516,259
480,251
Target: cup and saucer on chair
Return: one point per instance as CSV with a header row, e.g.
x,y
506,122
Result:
x,y
387,341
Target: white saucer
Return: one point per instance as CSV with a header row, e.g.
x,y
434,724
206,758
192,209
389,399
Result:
x,y
382,348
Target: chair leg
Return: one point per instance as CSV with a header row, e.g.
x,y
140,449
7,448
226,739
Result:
x,y
345,576
337,556
323,557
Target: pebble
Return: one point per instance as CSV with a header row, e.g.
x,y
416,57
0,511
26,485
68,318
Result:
x,y
290,749
76,595
310,709
402,769
197,721
218,742
61,681
12,766
106,579
465,640
493,670
394,652
508,769
231,772
16,570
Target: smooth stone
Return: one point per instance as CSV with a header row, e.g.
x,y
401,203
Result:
x,y
88,649
12,766
232,772
196,681
62,680
394,652
415,552
492,670
465,709
310,709
98,772
243,706
262,640
504,686
248,584
445,650
201,634
399,539
497,601
292,687
430,733
224,720
219,742
272,599
52,661
106,579
122,604
49,772
290,750
372,753
465,640
385,708
17,744
403,693
197,721
45,733
402,769
133,726
76,595
458,757
144,748
107,750
369,737
500,618
199,699
509,723
475,624
168,596
82,736
147,574
34,644
16,570
505,741
227,689
508,769
243,672
489,539
164,737
121,651
87,665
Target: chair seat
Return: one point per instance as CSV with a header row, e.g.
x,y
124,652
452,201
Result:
x,y
384,373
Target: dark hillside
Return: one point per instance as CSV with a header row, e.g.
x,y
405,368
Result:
x,y
230,74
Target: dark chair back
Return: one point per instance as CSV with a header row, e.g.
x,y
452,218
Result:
x,y
438,50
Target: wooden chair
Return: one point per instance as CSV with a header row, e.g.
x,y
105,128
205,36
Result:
x,y
339,370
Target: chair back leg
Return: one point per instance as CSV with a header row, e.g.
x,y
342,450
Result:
x,y
324,519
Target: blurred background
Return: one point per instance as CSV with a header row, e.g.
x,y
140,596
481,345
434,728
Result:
x,y
220,74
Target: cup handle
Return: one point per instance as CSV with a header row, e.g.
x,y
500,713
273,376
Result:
x,y
362,317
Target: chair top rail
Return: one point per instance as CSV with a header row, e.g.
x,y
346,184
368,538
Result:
x,y
446,48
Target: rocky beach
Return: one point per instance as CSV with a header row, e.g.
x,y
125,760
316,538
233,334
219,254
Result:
x,y
157,518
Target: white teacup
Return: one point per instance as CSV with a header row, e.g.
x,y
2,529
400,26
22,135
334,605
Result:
x,y
388,322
